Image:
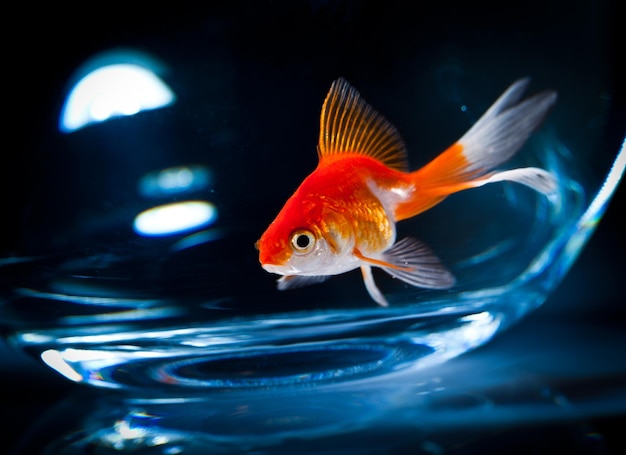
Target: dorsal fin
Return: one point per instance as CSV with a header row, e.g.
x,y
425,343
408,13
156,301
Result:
x,y
349,125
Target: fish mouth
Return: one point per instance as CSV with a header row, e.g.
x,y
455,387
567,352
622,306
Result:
x,y
278,269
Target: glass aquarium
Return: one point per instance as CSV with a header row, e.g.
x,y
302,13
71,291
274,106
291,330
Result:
x,y
165,153
135,265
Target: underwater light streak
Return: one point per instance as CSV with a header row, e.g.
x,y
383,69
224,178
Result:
x,y
113,90
175,218
89,300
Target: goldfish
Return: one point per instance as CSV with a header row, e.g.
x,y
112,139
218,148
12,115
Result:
x,y
343,215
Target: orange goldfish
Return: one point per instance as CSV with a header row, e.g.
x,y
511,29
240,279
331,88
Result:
x,y
343,216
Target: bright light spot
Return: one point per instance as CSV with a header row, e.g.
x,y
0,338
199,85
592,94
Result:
x,y
124,429
483,317
160,440
113,90
175,180
55,360
481,327
174,218
34,338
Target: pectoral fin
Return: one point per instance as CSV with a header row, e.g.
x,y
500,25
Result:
x,y
410,261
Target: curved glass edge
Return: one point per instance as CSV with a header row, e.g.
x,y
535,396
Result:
x,y
550,265
587,223
598,205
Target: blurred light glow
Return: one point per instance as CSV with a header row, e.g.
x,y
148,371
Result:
x,y
113,90
175,180
55,360
174,218
197,238
125,430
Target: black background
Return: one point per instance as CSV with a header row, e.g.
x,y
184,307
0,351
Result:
x,y
45,44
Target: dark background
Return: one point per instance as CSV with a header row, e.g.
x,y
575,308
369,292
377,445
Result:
x,y
46,44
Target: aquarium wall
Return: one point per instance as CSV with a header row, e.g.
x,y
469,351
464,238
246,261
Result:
x,y
155,147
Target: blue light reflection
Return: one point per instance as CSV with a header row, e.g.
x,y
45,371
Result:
x,y
175,180
118,84
174,218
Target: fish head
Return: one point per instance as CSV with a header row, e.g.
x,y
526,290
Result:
x,y
300,252
301,241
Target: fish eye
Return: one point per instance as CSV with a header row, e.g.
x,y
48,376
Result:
x,y
302,241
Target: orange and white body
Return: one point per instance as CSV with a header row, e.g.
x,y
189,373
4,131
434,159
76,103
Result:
x,y
343,215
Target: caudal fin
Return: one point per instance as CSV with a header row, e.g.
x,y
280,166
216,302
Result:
x,y
492,140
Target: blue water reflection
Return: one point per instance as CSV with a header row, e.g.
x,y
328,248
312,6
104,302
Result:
x,y
485,402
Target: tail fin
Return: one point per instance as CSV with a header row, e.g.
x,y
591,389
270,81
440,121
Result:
x,y
492,140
